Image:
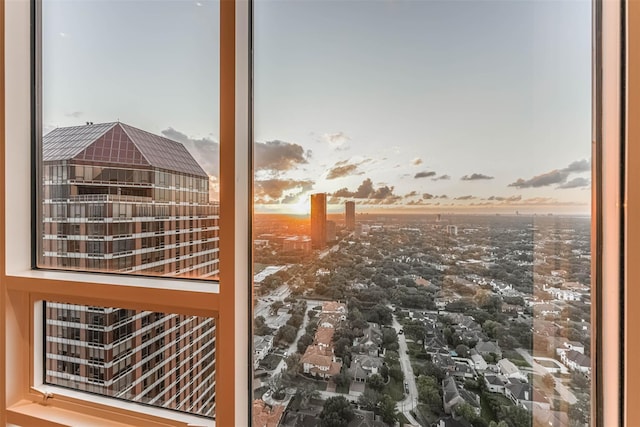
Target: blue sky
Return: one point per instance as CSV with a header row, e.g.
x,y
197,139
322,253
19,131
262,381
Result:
x,y
394,104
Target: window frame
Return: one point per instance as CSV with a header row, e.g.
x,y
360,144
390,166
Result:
x,y
25,400
616,241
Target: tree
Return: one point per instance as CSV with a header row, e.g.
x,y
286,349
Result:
x,y
286,333
376,382
293,363
462,350
275,306
342,379
429,392
396,373
277,386
336,412
306,392
369,399
388,411
304,341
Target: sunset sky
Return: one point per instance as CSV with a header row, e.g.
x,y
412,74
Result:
x,y
439,105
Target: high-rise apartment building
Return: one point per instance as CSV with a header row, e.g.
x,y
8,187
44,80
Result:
x,y
318,220
119,199
350,215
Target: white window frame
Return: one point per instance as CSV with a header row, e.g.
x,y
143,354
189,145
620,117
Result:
x,y
24,399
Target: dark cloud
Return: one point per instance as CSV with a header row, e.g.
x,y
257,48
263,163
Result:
x,y
278,155
554,177
509,199
557,176
417,161
427,196
273,190
441,178
411,194
368,194
206,151
578,166
424,174
475,177
468,197
575,183
342,171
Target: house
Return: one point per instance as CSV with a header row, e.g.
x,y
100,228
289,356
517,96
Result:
x,y
463,370
566,345
261,347
495,383
478,361
362,366
526,396
334,307
486,348
453,396
265,415
329,320
324,337
370,342
576,361
509,370
320,361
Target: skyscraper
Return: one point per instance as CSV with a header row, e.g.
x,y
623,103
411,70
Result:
x,y
119,199
318,220
350,215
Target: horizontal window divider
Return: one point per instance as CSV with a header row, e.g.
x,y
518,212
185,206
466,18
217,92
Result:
x,y
188,300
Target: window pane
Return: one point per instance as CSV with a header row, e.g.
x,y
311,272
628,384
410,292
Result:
x,y
422,211
160,359
129,153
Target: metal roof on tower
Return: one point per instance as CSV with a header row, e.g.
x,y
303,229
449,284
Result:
x,y
118,143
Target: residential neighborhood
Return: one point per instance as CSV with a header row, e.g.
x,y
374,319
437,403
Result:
x,y
409,323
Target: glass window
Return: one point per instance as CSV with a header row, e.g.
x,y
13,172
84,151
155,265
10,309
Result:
x,y
125,119
422,223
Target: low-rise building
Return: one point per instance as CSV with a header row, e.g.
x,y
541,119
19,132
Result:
x,y
509,370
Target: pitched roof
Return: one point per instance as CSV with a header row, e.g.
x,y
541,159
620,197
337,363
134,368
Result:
x,y
578,358
118,143
324,336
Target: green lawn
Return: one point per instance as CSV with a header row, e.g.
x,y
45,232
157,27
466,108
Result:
x,y
395,389
424,414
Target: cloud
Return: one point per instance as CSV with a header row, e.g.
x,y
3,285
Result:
x,y
578,166
554,177
344,168
368,194
428,196
205,150
342,171
557,176
278,155
468,197
75,114
475,177
509,199
417,161
338,141
575,183
411,194
424,174
280,190
441,178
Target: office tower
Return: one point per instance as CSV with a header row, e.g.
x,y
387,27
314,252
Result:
x,y
350,215
331,231
318,220
119,199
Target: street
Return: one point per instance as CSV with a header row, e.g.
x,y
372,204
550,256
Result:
x,y
411,401
563,391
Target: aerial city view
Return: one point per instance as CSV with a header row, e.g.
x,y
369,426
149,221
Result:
x,y
450,320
